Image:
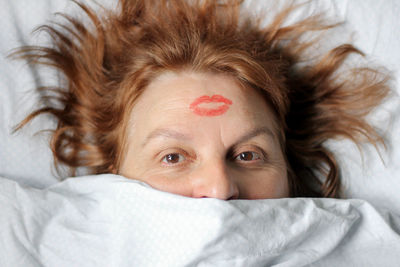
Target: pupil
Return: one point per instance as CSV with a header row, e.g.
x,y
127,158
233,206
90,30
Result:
x,y
172,158
246,156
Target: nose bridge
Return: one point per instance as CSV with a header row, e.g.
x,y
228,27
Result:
x,y
212,180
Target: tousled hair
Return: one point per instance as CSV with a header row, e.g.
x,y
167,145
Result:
x,y
108,62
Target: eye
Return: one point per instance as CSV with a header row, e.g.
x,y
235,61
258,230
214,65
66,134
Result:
x,y
248,156
173,158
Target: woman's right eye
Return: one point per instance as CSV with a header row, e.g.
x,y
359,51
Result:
x,y
173,158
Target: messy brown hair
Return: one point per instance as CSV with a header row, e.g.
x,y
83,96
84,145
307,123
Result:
x,y
107,65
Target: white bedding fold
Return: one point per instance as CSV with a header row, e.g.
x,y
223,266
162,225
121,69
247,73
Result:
x,y
107,220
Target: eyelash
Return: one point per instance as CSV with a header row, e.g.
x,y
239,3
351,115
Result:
x,y
260,154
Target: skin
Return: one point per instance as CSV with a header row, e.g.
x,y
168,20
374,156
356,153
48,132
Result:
x,y
234,155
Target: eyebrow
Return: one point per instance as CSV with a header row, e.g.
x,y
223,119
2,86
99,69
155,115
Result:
x,y
253,133
165,132
170,133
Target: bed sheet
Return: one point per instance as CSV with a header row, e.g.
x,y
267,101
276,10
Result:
x,y
26,158
107,220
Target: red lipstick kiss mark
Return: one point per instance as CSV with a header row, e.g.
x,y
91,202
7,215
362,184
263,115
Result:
x,y
202,111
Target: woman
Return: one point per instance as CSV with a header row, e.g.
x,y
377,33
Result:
x,y
198,98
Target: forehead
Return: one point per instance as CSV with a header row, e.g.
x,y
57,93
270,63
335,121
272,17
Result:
x,y
169,98
188,84
178,88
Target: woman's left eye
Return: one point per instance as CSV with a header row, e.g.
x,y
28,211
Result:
x,y
248,156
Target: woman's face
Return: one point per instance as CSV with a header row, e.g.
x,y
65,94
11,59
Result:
x,y
204,135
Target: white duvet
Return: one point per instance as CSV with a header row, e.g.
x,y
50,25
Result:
x,y
107,220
